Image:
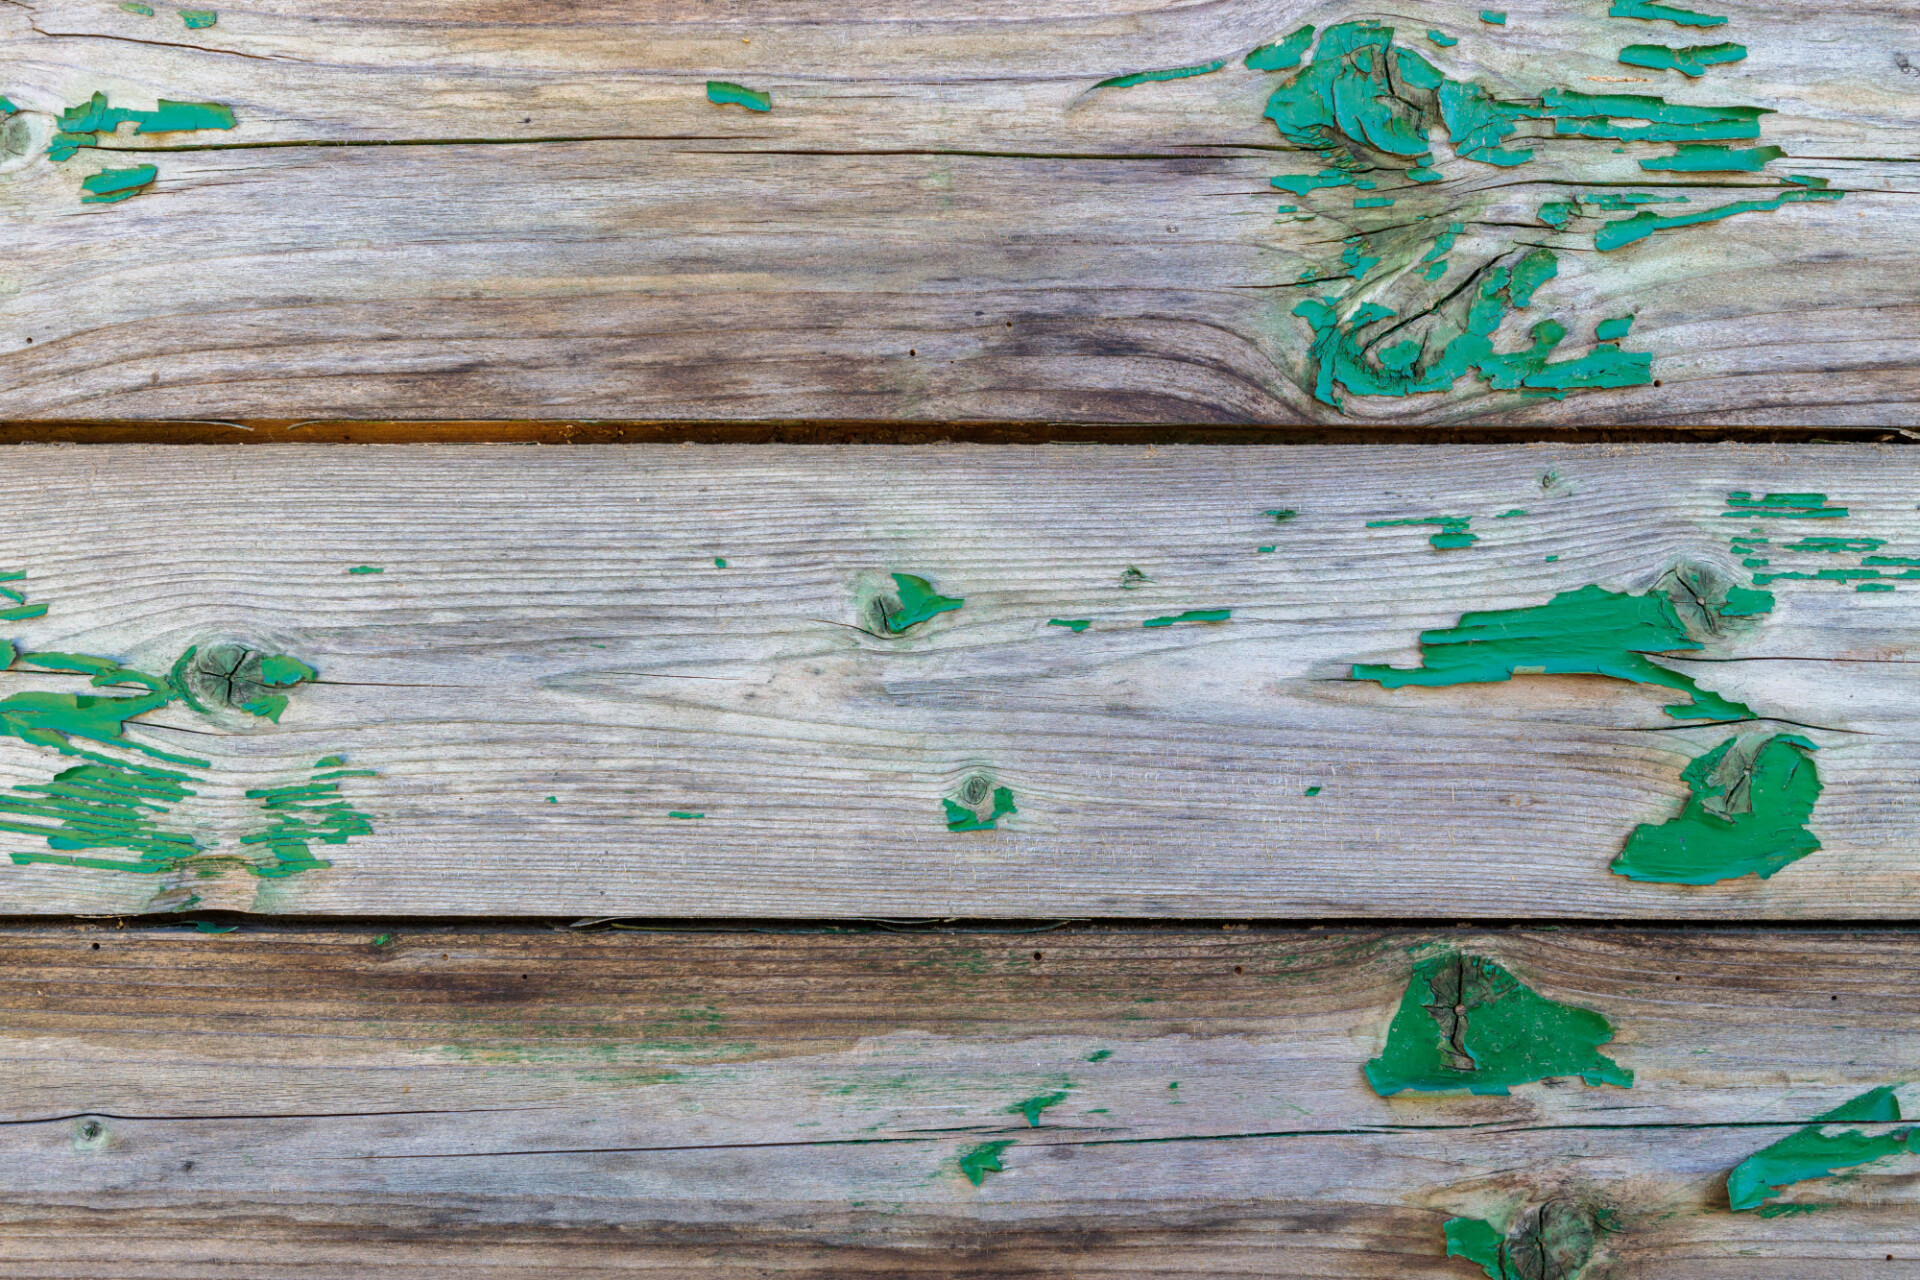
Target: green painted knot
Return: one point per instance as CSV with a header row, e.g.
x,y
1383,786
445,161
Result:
x,y
964,813
239,676
724,92
1751,798
1191,615
917,602
977,1162
1552,1241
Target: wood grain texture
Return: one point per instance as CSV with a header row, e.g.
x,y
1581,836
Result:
x,y
515,210
550,666
308,1102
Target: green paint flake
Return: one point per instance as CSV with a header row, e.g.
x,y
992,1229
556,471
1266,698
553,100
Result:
x,y
1556,213
1815,1152
1075,625
724,92
196,19
1466,1023
1300,184
208,926
299,816
1311,791
1508,515
1708,158
1615,235
680,813
279,670
1790,506
1451,535
1099,1055
1032,1107
1618,202
1613,330
1495,17
1442,39
1356,258
110,186
1191,615
1588,631
1479,1243
918,602
1265,551
81,126
144,10
1802,180
1747,815
1837,546
367,568
1652,12
1373,202
719,562
1282,514
1426,175
382,939
978,1162
961,818
1874,586
1282,55
1691,61
1170,73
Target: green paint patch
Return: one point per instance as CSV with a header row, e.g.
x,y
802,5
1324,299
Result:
x,y
1451,535
1613,330
196,19
1789,506
1075,625
962,818
1747,814
1311,791
1708,158
1616,235
1496,18
719,562
1300,184
1652,12
1282,55
1554,1241
1099,1055
1265,551
1168,73
1442,39
680,813
1588,631
1508,515
110,186
1557,213
1373,202
723,93
144,10
1617,202
977,1162
302,815
1191,615
918,602
1694,60
367,568
1479,1242
81,126
1815,1152
1032,1107
1874,586
1466,1023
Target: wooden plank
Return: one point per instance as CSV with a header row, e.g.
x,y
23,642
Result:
x,y
293,1102
550,676
536,212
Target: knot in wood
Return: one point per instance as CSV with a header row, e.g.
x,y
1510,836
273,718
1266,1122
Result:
x,y
1552,1241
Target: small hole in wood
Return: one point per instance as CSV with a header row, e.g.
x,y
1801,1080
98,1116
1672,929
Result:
x,y
96,946
1238,969
1036,955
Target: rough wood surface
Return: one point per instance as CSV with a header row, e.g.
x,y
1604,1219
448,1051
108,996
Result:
x,y
433,210
550,673
434,1100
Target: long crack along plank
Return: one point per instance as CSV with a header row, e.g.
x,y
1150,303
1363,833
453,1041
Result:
x,y
757,681
292,1102
1133,210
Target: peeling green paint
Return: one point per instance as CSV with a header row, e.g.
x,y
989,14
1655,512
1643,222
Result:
x,y
198,18
208,926
1691,61
1615,235
1466,1023
1478,1242
81,126
131,6
1311,791
725,92
1169,73
962,818
110,186
1373,202
1442,39
1191,615
1032,1107
719,562
684,814
1652,12
1075,625
1708,158
977,1162
1587,631
1747,814
1496,18
1282,55
1791,506
366,568
1451,535
1614,329
1816,1153
918,602
1300,184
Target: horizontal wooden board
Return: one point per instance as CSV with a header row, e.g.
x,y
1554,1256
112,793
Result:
x,y
433,1100
552,699
429,210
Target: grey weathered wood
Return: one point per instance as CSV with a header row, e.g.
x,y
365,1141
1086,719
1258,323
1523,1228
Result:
x,y
551,623
425,212
310,1102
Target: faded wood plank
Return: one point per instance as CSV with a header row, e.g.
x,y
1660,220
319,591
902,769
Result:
x,y
551,698
295,1102
425,210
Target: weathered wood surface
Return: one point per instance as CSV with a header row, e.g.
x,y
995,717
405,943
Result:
x,y
432,1100
428,210
550,667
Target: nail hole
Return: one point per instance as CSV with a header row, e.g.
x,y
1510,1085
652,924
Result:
x,y
1238,969
1036,955
96,946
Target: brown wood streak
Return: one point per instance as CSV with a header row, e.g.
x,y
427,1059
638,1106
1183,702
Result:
x,y
535,213
296,1101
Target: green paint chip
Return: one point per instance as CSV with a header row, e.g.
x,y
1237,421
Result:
x,y
1442,39
1613,330
382,939
677,813
1874,586
1626,231
1032,1107
367,568
196,19
144,10
1790,506
724,92
1694,157
1264,551
977,1162
1373,202
1465,1023
553,799
1551,559
1075,625
1282,54
1099,1055
1652,12
1311,791
111,186
719,562
1170,73
1497,18
1508,515
1815,1152
1747,815
1692,61
1191,615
